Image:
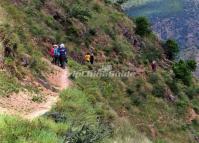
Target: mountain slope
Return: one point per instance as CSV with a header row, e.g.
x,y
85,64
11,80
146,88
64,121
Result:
x,y
95,109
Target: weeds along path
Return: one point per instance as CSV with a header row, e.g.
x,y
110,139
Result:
x,y
22,104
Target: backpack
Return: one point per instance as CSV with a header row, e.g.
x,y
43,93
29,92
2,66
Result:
x,y
56,52
52,52
62,51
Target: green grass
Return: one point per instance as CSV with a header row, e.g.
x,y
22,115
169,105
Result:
x,y
16,130
94,102
8,85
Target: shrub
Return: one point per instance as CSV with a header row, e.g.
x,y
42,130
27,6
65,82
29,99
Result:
x,y
87,134
122,48
192,91
8,85
171,49
153,78
111,32
80,13
158,90
181,107
142,26
192,65
173,85
97,8
150,54
182,71
38,99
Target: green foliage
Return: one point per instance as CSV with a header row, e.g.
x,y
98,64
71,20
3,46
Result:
x,y
8,85
87,134
154,78
122,48
80,13
86,110
171,49
158,90
38,99
192,65
182,71
150,54
97,8
173,85
142,26
192,92
160,141
16,130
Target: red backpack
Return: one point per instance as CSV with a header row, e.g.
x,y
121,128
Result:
x,y
52,52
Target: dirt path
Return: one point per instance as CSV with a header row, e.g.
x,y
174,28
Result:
x,y
22,103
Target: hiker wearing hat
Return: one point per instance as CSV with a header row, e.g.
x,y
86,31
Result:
x,y
56,55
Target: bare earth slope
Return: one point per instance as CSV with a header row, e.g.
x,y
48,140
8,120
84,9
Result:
x,y
22,103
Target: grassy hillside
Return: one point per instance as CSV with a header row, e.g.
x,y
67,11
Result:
x,y
95,109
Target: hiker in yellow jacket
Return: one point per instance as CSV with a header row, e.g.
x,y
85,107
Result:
x,y
87,57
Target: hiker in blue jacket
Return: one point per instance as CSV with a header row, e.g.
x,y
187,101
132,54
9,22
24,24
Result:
x,y
56,55
63,55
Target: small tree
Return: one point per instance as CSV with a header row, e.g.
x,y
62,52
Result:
x,y
192,65
142,26
183,70
171,49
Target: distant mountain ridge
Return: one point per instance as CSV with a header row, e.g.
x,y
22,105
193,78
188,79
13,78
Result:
x,y
171,19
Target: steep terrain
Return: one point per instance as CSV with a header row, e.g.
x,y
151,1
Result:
x,y
171,19
142,108
30,105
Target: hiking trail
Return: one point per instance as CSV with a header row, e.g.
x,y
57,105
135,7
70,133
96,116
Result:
x,y
22,104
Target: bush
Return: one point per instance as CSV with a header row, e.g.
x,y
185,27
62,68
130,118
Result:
x,y
192,65
171,49
87,134
142,26
173,85
122,48
38,99
192,91
182,71
97,8
150,54
8,85
158,90
78,12
153,78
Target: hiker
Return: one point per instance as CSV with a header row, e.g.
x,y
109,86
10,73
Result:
x,y
87,57
56,55
52,53
63,55
92,59
154,66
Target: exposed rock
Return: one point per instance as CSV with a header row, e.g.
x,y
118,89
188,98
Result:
x,y
191,115
169,95
25,60
153,131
